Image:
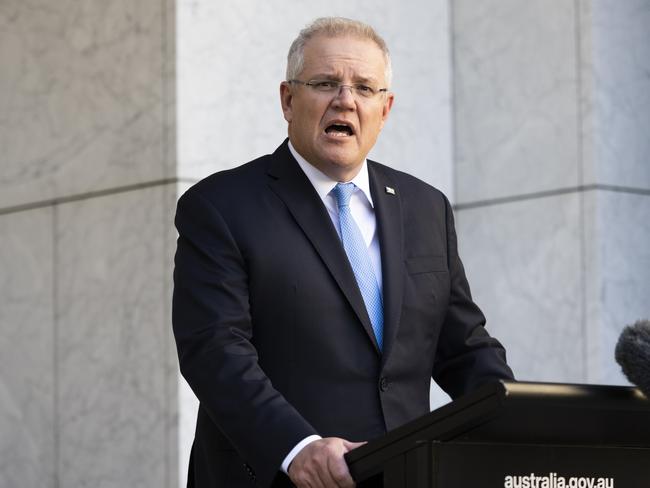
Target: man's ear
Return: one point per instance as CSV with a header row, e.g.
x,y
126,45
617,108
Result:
x,y
388,105
286,98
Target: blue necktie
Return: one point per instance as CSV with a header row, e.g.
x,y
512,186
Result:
x,y
355,248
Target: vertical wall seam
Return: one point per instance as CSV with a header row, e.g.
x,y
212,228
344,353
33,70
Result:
x,y
452,98
55,345
581,197
167,391
165,163
168,79
165,102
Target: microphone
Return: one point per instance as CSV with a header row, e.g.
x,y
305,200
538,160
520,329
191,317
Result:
x,y
633,354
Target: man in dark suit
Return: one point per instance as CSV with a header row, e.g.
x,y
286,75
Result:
x,y
317,293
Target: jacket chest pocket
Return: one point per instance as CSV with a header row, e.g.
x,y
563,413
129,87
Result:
x,y
426,288
425,264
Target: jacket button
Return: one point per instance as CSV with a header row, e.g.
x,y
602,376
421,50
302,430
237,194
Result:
x,y
383,384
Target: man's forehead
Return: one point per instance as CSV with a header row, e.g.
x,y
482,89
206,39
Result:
x,y
326,40
330,53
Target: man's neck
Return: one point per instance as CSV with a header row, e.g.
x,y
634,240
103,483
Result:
x,y
334,172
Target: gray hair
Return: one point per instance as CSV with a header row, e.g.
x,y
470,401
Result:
x,y
333,27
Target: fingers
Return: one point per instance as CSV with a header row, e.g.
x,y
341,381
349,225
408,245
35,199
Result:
x,y
320,464
339,473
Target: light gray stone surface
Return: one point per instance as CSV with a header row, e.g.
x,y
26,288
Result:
x,y
523,262
552,97
617,98
83,91
618,275
186,402
27,361
176,463
187,412
515,82
114,343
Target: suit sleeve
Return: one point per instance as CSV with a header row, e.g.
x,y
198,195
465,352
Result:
x,y
214,336
467,356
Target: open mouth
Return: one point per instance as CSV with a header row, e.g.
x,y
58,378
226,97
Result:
x,y
339,130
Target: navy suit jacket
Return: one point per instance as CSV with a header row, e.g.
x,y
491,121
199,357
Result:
x,y
272,332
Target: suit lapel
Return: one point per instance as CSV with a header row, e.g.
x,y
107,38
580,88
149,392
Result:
x,y
386,200
294,188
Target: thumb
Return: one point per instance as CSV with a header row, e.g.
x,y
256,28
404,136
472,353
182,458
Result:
x,y
352,445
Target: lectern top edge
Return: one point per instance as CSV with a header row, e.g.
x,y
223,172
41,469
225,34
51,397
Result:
x,y
574,394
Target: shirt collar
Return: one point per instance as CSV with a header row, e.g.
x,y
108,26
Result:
x,y
323,184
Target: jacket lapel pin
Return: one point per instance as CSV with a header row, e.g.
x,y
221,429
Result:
x,y
390,191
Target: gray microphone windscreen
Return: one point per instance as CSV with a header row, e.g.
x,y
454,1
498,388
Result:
x,y
633,354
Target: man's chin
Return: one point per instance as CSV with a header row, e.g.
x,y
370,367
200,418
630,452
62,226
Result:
x,y
342,168
342,155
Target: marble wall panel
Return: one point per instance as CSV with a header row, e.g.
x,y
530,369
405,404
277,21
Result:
x,y
27,360
188,406
116,387
515,100
177,454
437,396
523,262
186,403
617,92
82,96
618,274
232,57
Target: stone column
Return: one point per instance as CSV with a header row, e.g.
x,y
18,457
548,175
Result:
x,y
87,189
553,176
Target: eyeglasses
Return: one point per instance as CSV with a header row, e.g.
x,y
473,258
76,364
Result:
x,y
332,87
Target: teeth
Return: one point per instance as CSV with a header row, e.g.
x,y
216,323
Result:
x,y
339,130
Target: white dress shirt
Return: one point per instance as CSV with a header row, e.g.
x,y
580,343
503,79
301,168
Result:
x,y
361,206
363,212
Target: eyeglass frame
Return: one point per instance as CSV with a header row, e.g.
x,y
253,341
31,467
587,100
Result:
x,y
337,90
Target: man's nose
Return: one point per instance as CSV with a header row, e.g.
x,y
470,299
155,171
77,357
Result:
x,y
345,97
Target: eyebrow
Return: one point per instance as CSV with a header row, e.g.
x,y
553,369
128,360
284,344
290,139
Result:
x,y
335,77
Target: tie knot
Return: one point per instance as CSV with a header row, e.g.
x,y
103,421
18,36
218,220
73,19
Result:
x,y
342,193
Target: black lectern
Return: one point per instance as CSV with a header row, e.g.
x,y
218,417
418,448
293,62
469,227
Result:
x,y
517,435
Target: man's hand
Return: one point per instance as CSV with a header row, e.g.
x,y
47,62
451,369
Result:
x,y
320,464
